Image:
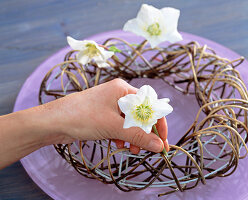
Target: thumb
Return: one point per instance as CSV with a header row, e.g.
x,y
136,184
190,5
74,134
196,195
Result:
x,y
136,136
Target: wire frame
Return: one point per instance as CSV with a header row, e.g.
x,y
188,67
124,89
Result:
x,y
211,147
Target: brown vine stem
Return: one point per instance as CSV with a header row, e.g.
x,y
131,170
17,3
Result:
x,y
191,69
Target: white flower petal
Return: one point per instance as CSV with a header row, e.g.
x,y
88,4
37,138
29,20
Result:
x,y
161,108
130,122
101,49
108,54
128,103
174,37
166,100
86,42
148,127
102,64
155,41
147,90
75,44
171,16
89,41
101,60
149,14
134,26
82,58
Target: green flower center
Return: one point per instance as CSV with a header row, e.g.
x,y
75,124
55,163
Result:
x,y
91,50
143,112
154,29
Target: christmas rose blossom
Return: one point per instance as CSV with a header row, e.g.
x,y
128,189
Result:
x,y
89,50
144,108
156,25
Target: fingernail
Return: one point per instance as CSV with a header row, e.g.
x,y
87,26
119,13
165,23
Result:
x,y
166,144
155,145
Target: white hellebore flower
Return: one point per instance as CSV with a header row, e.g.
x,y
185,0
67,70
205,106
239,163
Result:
x,y
155,25
90,50
144,108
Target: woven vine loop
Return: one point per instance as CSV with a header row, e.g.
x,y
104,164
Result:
x,y
211,147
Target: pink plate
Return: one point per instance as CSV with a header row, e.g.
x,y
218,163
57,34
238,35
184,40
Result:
x,y
60,181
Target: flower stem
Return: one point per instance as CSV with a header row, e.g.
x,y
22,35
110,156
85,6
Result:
x,y
156,132
98,72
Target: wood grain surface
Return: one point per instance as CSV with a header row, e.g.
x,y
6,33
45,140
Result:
x,y
31,31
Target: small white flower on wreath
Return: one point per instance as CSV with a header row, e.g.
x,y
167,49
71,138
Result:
x,y
156,25
89,50
144,108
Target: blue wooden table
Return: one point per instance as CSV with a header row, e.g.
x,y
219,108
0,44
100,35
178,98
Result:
x,y
30,31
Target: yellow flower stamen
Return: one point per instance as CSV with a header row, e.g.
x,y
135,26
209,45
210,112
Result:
x,y
154,29
91,50
143,112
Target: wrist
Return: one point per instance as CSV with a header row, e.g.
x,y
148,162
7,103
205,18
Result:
x,y
25,122
50,124
39,125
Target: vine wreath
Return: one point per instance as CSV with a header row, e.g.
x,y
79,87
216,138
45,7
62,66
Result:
x,y
212,145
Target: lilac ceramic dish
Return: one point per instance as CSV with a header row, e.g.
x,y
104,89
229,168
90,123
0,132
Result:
x,y
60,181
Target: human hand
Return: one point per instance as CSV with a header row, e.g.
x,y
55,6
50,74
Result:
x,y
94,114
